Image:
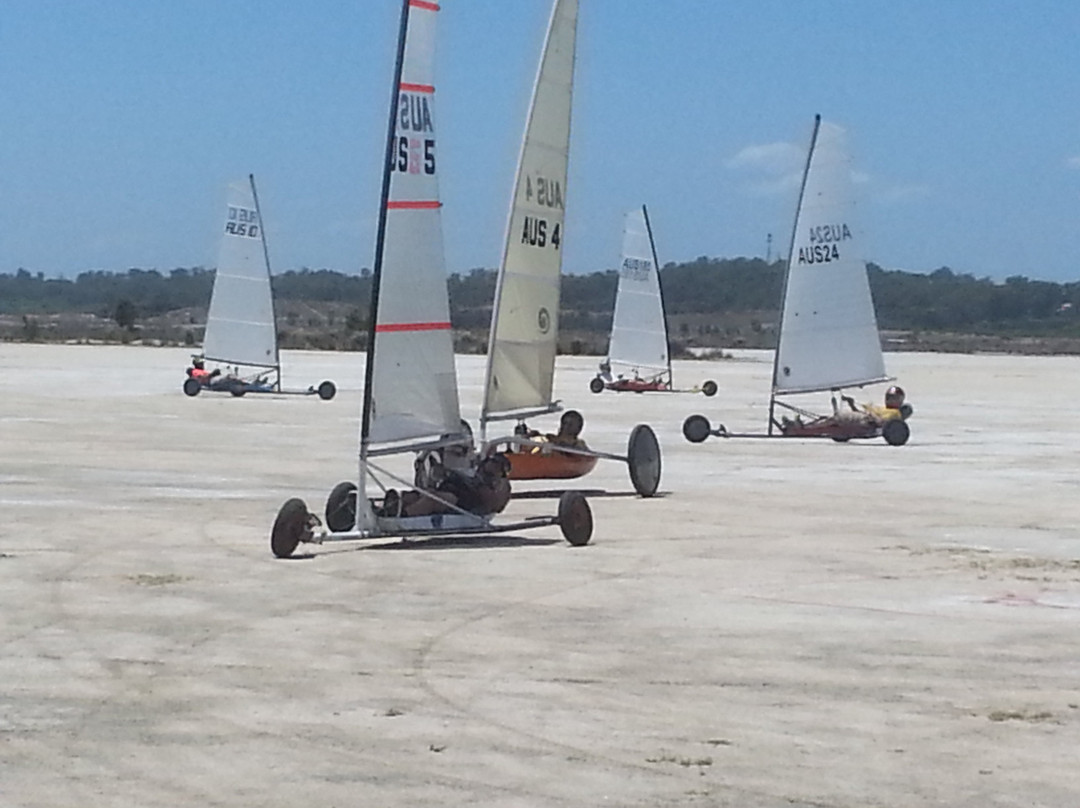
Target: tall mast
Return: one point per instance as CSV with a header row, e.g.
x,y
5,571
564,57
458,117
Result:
x,y
787,274
659,286
380,237
269,278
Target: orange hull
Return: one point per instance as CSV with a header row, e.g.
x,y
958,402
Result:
x,y
549,466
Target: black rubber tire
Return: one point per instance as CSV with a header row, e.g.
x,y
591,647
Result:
x,y
839,439
596,384
643,458
575,518
696,428
191,387
238,389
327,390
341,507
906,411
709,388
896,432
289,527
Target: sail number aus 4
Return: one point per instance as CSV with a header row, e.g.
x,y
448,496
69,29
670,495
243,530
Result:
x,y
242,222
544,192
538,232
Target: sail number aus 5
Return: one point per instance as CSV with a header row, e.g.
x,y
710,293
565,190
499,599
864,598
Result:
x,y
412,155
242,222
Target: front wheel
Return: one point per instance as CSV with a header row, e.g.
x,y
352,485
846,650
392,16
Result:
x,y
896,432
191,387
341,507
597,384
696,428
643,458
327,390
709,388
575,518
289,527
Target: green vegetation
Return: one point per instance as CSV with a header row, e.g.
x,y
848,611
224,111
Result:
x,y
710,302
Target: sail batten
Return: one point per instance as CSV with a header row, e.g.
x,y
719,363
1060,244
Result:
x,y
410,380
828,329
240,325
524,327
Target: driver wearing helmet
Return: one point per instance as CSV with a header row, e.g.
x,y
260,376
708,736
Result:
x,y
198,371
894,397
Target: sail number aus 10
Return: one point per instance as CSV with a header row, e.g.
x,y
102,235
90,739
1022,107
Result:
x,y
242,222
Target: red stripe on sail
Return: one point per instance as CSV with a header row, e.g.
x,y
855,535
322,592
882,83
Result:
x,y
417,88
420,204
424,4
412,327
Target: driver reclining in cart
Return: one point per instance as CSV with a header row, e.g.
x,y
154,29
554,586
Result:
x,y
458,477
570,426
199,373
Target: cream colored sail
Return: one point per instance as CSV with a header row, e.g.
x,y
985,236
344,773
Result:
x,y
411,378
240,327
639,338
525,318
828,330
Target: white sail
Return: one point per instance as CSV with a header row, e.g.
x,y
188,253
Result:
x,y
411,381
240,327
525,318
828,330
639,336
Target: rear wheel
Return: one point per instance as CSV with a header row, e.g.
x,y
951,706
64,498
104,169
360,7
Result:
x,y
575,518
327,390
341,507
289,527
191,387
896,432
643,458
696,428
238,389
597,384
709,388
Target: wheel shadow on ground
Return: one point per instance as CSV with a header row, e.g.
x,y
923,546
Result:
x,y
555,493
480,542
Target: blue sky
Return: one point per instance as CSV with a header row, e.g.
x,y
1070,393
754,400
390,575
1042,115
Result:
x,y
123,120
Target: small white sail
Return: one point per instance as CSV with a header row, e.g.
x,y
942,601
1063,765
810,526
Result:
x,y
639,337
240,327
411,377
525,318
828,330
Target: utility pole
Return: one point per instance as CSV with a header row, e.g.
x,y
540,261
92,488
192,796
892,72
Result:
x,y
768,249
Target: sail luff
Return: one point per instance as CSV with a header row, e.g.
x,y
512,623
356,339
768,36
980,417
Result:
x,y
659,287
791,247
380,236
269,279
524,324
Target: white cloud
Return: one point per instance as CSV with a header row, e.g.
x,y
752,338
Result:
x,y
772,168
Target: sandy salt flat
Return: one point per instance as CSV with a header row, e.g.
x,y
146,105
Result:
x,y
793,624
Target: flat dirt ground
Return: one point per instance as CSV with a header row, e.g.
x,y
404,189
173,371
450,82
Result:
x,y
793,623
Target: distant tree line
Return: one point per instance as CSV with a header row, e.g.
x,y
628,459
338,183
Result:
x,y
939,301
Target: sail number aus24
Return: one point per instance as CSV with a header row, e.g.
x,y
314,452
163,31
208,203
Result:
x,y
823,241
242,222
